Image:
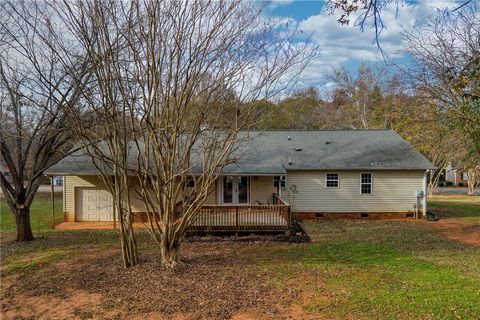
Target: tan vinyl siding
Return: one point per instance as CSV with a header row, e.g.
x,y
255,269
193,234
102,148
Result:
x,y
212,196
72,182
78,181
393,191
135,199
261,189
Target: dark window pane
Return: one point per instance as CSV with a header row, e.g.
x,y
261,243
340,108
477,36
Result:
x,y
227,190
279,180
332,180
243,190
190,182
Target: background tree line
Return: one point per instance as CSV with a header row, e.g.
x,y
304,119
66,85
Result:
x,y
112,77
370,97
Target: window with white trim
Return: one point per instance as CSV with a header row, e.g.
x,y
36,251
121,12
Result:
x,y
331,180
279,181
366,183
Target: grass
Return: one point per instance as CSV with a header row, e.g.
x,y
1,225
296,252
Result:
x,y
379,270
40,213
352,269
461,207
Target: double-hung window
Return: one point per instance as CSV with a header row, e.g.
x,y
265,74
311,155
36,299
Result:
x,y
366,183
332,180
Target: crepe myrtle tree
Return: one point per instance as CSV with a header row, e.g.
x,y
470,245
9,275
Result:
x,y
165,73
35,91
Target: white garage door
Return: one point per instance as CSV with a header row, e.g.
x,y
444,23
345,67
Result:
x,y
93,204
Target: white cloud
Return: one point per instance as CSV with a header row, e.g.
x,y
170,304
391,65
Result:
x,y
276,3
342,44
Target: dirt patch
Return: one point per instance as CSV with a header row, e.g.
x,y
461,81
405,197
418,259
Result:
x,y
461,231
214,282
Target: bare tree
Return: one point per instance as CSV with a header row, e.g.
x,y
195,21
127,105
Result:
x,y
364,99
473,176
34,91
447,70
369,13
164,73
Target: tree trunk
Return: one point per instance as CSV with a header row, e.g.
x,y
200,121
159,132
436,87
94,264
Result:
x,y
22,220
169,254
128,243
471,182
471,186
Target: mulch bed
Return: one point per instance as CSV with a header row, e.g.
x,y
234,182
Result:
x,y
214,280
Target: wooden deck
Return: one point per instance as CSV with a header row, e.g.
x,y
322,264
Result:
x,y
243,218
236,218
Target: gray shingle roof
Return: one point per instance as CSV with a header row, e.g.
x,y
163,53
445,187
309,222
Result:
x,y
277,151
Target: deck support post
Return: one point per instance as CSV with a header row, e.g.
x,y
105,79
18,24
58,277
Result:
x,y
53,201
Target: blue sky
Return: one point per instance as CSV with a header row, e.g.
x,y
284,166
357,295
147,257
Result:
x,y
347,45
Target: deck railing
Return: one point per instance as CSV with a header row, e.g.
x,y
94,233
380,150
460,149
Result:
x,y
269,217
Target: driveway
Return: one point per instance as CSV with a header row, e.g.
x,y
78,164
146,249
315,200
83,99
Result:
x,y
45,188
454,190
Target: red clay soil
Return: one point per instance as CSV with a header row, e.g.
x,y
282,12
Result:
x,y
461,231
94,225
213,282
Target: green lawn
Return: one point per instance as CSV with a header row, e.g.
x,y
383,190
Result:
x,y
350,270
379,270
40,211
461,207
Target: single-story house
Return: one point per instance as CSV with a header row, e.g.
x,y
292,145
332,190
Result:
x,y
455,175
328,173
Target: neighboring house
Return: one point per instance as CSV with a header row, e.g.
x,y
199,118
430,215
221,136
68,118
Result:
x,y
58,181
331,174
456,176
6,171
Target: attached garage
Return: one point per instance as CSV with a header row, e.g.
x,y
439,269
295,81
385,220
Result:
x,y
93,204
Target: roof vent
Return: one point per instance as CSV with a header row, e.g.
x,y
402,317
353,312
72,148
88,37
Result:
x,y
290,161
298,149
289,138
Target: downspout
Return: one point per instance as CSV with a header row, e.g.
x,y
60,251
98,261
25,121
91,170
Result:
x,y
424,205
64,180
52,188
280,186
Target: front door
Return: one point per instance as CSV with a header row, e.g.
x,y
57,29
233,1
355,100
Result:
x,y
235,189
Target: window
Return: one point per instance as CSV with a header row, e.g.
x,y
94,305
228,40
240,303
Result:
x,y
331,180
190,182
279,181
366,183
